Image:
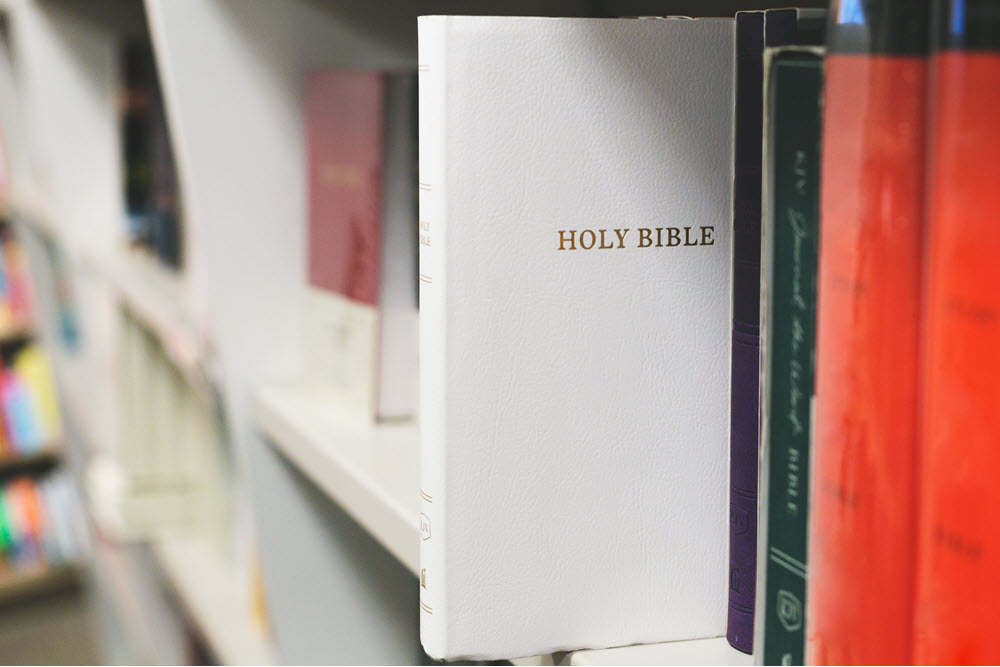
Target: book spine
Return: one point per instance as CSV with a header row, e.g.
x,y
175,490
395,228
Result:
x,y
745,387
788,338
431,60
136,132
959,548
397,360
862,521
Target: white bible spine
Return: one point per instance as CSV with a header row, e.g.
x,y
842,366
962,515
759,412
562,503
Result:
x,y
432,104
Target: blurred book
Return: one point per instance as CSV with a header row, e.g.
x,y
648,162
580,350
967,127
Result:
x,y
63,297
41,523
166,473
15,287
29,406
862,524
959,549
152,201
361,326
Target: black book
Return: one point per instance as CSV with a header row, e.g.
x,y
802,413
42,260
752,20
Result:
x,y
152,202
754,31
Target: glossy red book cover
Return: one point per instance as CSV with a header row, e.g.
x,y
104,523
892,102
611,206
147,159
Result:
x,y
861,556
958,614
344,125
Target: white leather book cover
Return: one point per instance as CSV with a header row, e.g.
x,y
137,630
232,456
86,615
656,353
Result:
x,y
575,185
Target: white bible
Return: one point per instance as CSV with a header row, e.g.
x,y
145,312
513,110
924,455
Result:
x,y
575,225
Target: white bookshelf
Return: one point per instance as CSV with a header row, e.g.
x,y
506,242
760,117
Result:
x,y
156,295
372,471
59,76
715,651
25,585
143,627
240,151
31,211
209,591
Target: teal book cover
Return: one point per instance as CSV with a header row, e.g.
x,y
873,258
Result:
x,y
791,235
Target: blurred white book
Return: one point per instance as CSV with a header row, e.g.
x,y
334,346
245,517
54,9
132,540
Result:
x,y
166,474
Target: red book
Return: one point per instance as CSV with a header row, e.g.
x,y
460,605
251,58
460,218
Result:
x,y
344,128
862,522
957,611
361,310
17,286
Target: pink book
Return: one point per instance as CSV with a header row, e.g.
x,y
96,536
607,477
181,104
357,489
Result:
x,y
4,175
361,324
18,292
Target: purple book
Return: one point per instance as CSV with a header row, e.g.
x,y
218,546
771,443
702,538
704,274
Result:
x,y
754,31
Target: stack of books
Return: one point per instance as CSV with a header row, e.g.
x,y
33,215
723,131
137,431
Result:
x,y
40,524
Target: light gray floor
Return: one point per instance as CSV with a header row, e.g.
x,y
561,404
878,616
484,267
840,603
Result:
x,y
54,630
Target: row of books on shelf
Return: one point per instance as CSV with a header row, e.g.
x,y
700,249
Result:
x,y
29,407
172,440
19,298
152,193
149,176
29,411
15,291
40,524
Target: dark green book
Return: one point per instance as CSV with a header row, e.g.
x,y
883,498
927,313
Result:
x,y
790,240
